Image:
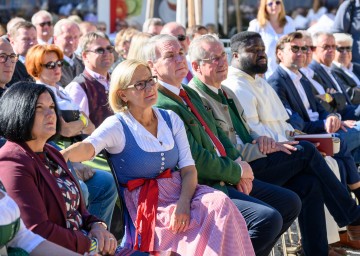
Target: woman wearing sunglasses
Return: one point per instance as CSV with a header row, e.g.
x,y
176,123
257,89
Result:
x,y
271,23
44,64
151,157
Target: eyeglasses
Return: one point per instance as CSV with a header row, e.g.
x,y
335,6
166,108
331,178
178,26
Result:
x,y
43,24
13,57
311,47
271,3
327,47
215,59
296,49
53,64
181,37
344,49
102,50
141,85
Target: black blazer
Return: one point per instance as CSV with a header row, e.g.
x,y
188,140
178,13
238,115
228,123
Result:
x,y
20,74
325,80
68,73
350,85
286,90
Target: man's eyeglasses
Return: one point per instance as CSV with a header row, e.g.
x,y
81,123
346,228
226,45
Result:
x,y
13,57
311,48
271,3
327,47
102,50
53,64
181,37
141,85
215,59
43,24
344,49
296,49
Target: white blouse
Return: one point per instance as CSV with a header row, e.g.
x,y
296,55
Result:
x,y
110,135
270,38
9,212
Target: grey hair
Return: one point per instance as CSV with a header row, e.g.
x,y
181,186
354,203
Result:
x,y
315,37
39,13
150,50
58,26
196,52
90,37
12,22
152,22
305,34
343,38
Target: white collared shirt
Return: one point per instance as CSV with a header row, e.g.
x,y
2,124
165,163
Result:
x,y
295,77
69,60
78,95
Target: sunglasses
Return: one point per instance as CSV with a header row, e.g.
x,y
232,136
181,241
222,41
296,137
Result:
x,y
181,37
43,24
141,85
344,49
53,64
102,50
271,3
311,47
13,57
296,49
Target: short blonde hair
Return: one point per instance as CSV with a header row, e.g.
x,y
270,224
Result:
x,y
263,16
120,80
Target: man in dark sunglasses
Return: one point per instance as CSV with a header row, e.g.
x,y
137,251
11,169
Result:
x,y
343,67
89,90
177,30
43,21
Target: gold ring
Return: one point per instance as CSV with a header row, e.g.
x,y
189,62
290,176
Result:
x,y
183,222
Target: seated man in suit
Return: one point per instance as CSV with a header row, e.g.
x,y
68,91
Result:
x,y
268,209
344,69
295,93
323,56
332,100
210,66
66,37
22,36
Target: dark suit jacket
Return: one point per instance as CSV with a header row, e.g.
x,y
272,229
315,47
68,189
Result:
x,y
325,80
212,170
68,73
356,69
285,88
348,82
20,74
38,196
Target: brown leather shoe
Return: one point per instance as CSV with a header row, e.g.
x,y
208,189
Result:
x,y
353,232
345,241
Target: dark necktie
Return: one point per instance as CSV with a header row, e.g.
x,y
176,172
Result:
x,y
236,119
212,136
